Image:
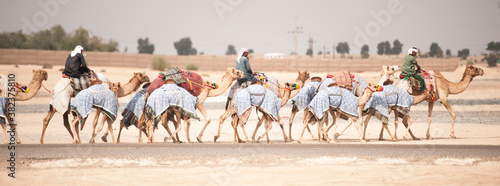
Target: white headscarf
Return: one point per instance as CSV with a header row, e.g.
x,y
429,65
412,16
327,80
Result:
x,y
412,49
78,50
242,51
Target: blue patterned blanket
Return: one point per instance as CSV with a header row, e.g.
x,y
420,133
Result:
x,y
94,96
305,95
380,102
360,85
3,109
171,96
334,97
256,95
134,108
273,84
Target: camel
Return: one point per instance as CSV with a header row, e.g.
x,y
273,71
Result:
x,y
63,91
101,98
444,88
164,101
302,77
343,98
19,95
268,104
300,102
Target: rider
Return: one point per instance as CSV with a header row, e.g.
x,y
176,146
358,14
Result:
x,y
75,64
411,67
243,65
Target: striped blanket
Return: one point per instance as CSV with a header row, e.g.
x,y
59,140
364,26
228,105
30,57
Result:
x,y
305,95
392,96
134,109
256,95
4,82
358,86
170,96
94,96
334,97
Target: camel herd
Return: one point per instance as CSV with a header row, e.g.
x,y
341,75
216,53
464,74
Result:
x,y
316,97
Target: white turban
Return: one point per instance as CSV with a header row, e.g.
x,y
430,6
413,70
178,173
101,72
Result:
x,y
242,51
412,49
78,50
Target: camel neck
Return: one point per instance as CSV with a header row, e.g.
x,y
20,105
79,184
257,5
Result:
x,y
226,82
130,87
459,87
34,86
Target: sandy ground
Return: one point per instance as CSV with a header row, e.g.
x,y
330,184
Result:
x,y
473,133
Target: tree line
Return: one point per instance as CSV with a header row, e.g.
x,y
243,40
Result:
x,y
56,38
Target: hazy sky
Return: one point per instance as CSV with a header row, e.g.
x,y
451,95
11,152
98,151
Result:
x,y
263,25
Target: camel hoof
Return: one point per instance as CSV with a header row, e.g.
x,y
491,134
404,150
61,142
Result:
x,y
395,139
416,138
199,139
288,141
300,141
336,136
241,141
363,141
331,142
215,138
315,139
104,139
253,141
453,136
92,141
18,142
381,139
404,138
269,142
165,139
429,138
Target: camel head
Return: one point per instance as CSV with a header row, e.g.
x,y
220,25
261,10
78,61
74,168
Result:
x,y
473,71
143,78
291,86
235,74
389,70
374,88
303,76
40,75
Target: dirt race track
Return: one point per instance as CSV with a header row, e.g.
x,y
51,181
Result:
x,y
472,158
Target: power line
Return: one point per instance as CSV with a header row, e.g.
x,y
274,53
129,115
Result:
x,y
296,30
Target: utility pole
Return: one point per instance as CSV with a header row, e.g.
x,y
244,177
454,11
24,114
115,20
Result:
x,y
296,30
333,51
324,51
311,42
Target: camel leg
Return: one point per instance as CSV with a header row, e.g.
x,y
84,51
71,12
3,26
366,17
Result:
x,y
387,128
110,127
268,128
363,139
178,124
221,122
187,123
405,123
122,124
101,126
323,132
74,129
94,125
340,134
290,121
305,123
308,129
140,125
280,122
259,123
201,108
335,123
429,119
46,121
66,122
165,125
396,114
453,116
234,124
4,128
242,126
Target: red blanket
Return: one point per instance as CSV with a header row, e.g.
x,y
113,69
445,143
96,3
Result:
x,y
193,84
343,79
157,83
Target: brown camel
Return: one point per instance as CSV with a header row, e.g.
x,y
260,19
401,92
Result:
x,y
302,77
33,87
124,90
444,88
76,120
361,104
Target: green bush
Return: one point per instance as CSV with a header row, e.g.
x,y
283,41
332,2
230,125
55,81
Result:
x,y
491,59
47,66
159,63
365,55
192,66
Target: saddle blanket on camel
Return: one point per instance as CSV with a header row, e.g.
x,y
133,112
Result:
x,y
4,83
410,83
305,95
190,81
358,85
95,96
392,96
4,102
334,97
270,83
259,96
61,95
170,96
134,108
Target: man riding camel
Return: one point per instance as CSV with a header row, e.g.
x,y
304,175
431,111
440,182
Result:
x,y
411,67
243,65
76,66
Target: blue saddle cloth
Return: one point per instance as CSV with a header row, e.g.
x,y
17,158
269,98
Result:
x,y
94,96
3,109
305,95
334,97
380,102
171,96
257,95
134,108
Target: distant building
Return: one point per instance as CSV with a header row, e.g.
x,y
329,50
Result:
x,y
274,56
